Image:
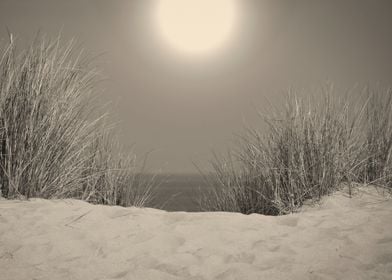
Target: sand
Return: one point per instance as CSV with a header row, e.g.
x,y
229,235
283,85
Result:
x,y
342,238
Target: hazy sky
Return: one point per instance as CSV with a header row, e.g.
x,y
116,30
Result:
x,y
183,106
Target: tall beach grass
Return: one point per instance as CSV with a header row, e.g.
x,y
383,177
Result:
x,y
54,137
311,147
377,128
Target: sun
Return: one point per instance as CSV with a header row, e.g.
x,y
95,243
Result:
x,y
196,26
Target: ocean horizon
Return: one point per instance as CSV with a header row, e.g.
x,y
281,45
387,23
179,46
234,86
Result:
x,y
179,192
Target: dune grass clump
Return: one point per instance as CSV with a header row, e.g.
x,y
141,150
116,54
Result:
x,y
307,151
377,127
54,141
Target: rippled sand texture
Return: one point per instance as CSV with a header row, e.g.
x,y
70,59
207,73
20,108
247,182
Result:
x,y
342,238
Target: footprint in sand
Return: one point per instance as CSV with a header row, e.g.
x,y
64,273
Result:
x,y
385,259
288,221
3,219
120,274
273,247
385,240
175,270
241,258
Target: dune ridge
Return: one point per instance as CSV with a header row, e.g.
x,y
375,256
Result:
x,y
342,238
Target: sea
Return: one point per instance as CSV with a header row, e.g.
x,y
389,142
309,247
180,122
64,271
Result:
x,y
179,192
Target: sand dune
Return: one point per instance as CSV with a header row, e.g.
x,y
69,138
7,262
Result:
x,y
342,238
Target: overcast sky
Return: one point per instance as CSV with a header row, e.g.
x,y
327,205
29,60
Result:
x,y
183,107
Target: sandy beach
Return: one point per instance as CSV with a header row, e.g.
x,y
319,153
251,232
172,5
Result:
x,y
341,238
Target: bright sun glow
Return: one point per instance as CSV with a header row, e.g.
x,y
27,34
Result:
x,y
196,26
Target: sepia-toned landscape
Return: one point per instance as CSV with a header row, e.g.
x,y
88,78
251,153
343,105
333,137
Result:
x,y
203,139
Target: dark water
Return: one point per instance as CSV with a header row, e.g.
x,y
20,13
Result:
x,y
179,192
